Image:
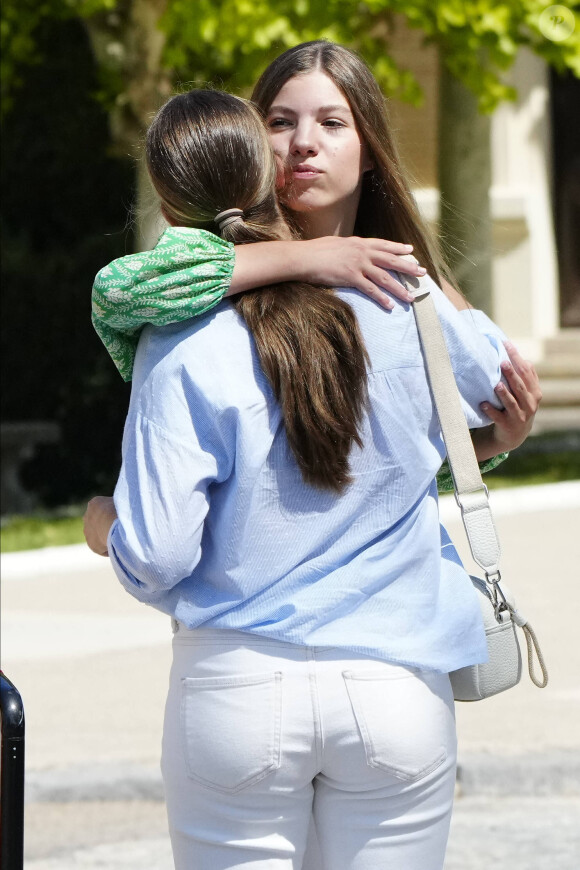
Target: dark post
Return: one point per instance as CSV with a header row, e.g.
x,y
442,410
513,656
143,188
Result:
x,y
11,777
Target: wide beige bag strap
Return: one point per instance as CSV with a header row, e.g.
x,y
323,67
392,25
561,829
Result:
x,y
470,491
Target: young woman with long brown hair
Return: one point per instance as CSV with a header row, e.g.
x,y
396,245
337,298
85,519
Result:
x,y
278,500
321,251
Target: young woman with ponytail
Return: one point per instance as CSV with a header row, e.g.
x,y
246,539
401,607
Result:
x,y
307,340
278,499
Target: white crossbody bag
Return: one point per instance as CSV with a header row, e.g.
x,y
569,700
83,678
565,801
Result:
x,y
500,616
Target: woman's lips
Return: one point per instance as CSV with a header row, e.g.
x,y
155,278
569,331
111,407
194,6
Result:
x,y
305,171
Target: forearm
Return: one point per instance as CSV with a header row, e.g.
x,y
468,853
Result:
x,y
487,444
98,519
264,263
331,261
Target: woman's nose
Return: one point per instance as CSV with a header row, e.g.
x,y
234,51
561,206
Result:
x,y
303,141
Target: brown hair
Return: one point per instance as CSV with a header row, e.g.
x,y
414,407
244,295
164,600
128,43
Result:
x,y
387,208
208,151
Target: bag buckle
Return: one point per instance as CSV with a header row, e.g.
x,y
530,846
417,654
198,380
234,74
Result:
x,y
498,599
482,488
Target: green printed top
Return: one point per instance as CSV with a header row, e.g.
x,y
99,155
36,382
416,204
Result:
x,y
187,273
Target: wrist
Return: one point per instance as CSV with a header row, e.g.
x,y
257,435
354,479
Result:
x,y
487,443
304,260
106,526
264,263
295,260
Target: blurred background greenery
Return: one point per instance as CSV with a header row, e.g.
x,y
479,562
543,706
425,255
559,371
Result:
x,y
80,82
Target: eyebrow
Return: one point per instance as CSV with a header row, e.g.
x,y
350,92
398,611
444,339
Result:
x,y
324,109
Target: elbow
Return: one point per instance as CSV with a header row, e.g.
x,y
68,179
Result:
x,y
160,573
148,569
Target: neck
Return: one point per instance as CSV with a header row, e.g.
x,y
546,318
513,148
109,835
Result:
x,y
315,225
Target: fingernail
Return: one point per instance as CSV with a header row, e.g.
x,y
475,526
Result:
x,y
408,247
500,388
506,366
421,270
484,406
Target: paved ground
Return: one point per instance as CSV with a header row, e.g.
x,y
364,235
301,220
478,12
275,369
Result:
x,y
516,834
91,664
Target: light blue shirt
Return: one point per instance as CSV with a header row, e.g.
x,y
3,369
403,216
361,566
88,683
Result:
x,y
216,527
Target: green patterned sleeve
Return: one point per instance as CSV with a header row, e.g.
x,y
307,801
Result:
x,y
187,273
445,480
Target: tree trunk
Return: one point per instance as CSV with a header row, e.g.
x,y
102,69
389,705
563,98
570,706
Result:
x,y
128,44
464,170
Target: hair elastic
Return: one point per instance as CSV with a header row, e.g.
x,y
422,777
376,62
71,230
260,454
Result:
x,y
227,217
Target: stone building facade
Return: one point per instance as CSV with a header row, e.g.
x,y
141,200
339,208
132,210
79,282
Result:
x,y
535,208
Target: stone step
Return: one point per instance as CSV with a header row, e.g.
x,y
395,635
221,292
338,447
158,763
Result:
x,y
559,373
559,366
561,355
556,419
567,342
560,391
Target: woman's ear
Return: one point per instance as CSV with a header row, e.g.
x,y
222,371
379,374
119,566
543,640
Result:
x,y
368,164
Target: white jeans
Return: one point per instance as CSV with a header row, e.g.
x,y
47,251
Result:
x,y
261,737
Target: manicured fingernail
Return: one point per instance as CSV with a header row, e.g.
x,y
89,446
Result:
x,y
500,388
421,270
484,406
408,247
506,366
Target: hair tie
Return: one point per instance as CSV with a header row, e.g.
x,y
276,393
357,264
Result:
x,y
227,217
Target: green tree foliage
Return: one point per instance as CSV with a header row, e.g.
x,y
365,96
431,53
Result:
x,y
478,39
229,41
64,214
20,28
67,183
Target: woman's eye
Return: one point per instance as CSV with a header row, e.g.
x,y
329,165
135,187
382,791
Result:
x,y
278,122
333,123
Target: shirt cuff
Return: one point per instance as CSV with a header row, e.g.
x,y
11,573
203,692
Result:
x,y
445,479
128,580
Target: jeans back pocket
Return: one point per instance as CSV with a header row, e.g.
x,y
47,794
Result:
x,y
231,729
404,721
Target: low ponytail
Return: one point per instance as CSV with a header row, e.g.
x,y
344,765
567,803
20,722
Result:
x,y
208,152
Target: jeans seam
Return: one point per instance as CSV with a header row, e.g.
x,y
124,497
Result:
x,y
315,702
